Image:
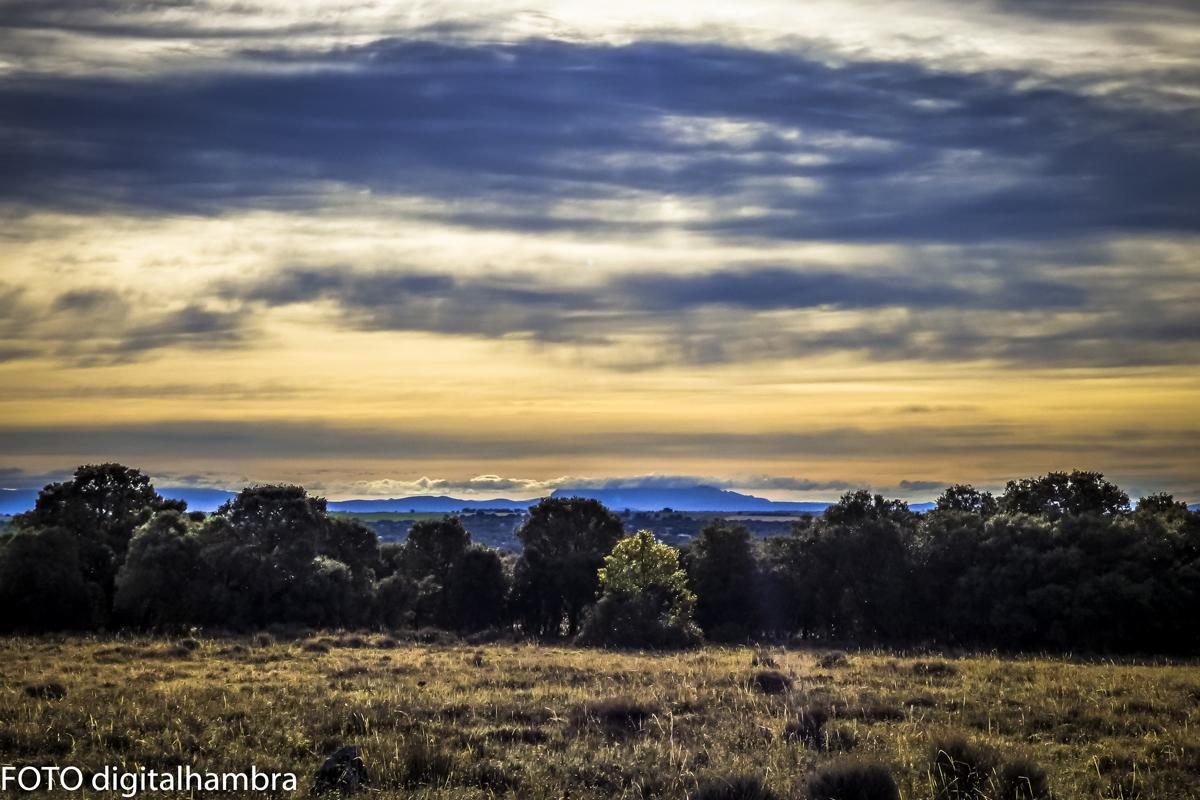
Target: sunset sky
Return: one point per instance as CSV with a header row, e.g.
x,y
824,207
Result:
x,y
488,249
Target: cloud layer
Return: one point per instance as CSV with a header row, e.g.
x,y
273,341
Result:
x,y
720,239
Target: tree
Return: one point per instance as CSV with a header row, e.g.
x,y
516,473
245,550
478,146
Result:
x,y
280,519
476,591
163,582
43,586
860,506
645,600
1162,504
434,548
102,502
1060,493
556,578
964,497
276,556
723,572
856,562
101,506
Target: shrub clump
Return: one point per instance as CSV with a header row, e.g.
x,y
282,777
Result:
x,y
840,737
738,787
833,660
424,764
808,728
961,770
1021,779
852,782
616,715
934,669
50,690
771,681
763,659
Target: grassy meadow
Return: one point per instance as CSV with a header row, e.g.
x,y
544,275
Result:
x,y
502,720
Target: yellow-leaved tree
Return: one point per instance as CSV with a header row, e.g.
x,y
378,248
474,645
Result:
x,y
645,601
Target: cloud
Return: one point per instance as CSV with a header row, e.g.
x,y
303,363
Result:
x,y
922,486
1018,316
1177,11
769,145
100,326
15,479
521,488
88,300
289,440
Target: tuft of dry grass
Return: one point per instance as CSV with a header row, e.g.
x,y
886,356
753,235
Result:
x,y
433,722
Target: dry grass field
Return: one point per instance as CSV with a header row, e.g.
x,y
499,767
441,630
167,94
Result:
x,y
523,721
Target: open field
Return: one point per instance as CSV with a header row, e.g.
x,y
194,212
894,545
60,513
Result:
x,y
452,720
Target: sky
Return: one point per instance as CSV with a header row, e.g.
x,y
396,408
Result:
x,y
492,249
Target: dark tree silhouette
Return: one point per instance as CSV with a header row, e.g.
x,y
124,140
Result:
x,y
477,591
164,582
565,541
723,572
42,584
964,497
1060,493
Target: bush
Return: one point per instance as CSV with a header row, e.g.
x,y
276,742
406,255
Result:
x,y
1023,780
808,728
961,770
616,715
424,764
738,787
852,782
636,621
934,669
833,660
771,681
841,738
50,690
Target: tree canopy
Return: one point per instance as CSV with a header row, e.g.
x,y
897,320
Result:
x,y
1058,562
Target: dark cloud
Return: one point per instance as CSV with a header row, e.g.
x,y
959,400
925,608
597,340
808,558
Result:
x,y
1184,11
726,315
922,486
779,288
88,300
191,326
504,304
269,439
15,479
883,151
91,326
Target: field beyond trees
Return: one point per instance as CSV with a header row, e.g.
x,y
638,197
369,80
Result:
x,y
450,720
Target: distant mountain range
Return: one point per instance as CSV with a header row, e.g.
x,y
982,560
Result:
x,y
636,498
690,498
426,503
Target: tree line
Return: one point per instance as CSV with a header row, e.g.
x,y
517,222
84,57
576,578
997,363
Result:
x,y
1057,562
